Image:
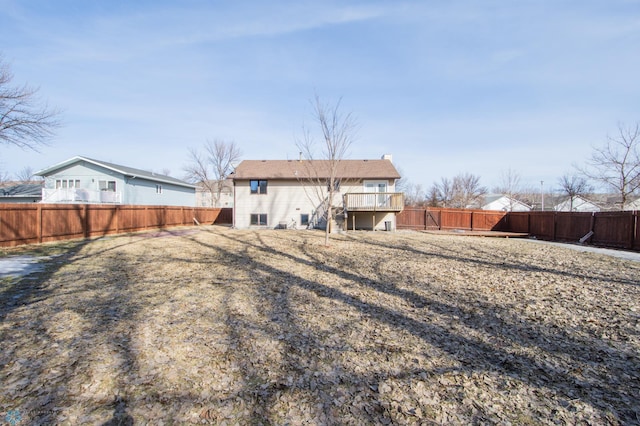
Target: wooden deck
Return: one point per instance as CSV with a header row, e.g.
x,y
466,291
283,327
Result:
x,y
467,233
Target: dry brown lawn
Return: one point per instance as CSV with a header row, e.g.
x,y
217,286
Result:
x,y
211,325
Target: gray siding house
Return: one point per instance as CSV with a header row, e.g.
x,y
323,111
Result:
x,y
85,180
21,193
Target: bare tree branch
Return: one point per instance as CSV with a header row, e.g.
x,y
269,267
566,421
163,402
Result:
x,y
442,192
617,163
467,190
574,186
23,121
25,175
460,192
510,186
211,167
338,133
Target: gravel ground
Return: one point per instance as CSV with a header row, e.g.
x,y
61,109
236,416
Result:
x,y
210,325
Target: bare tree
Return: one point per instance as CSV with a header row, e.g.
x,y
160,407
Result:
x,y
212,166
432,198
617,163
414,194
402,184
467,190
510,186
337,133
442,192
25,175
574,186
24,122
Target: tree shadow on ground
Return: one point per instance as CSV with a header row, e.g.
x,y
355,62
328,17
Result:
x,y
61,334
563,351
281,357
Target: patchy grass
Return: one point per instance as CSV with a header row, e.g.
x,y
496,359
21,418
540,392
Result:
x,y
222,326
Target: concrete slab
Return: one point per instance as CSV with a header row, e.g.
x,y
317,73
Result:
x,y
621,254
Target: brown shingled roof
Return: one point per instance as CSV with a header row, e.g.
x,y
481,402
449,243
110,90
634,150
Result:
x,y
294,169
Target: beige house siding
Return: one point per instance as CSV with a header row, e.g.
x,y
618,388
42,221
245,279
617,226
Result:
x,y
286,200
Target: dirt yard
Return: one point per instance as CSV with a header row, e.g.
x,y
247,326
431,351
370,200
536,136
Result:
x,y
211,325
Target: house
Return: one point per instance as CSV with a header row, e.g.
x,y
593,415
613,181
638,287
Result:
x,y
85,180
504,203
293,193
614,202
633,204
579,204
21,193
206,193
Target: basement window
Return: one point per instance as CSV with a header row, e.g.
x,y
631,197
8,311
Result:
x,y
259,219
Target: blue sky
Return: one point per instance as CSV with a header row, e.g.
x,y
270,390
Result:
x,y
446,87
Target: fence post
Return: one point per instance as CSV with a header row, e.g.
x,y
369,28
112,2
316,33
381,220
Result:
x,y
39,223
85,221
426,217
633,229
117,219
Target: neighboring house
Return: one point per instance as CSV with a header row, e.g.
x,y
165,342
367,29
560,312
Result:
x,y
205,194
21,193
580,204
633,204
84,180
290,193
614,202
504,203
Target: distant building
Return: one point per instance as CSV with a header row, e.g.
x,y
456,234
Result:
x,y
21,193
85,180
504,203
579,204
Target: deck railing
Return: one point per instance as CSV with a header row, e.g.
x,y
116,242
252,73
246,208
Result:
x,y
79,195
374,201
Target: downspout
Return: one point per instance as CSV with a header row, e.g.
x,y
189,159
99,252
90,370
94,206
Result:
x,y
233,211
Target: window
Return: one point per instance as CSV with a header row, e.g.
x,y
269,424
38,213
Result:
x,y
304,219
158,189
107,185
67,183
259,219
258,186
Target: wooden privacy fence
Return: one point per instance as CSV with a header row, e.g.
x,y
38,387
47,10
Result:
x,y
443,219
606,229
37,223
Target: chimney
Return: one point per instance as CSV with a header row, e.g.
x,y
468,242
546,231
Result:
x,y
300,158
387,157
